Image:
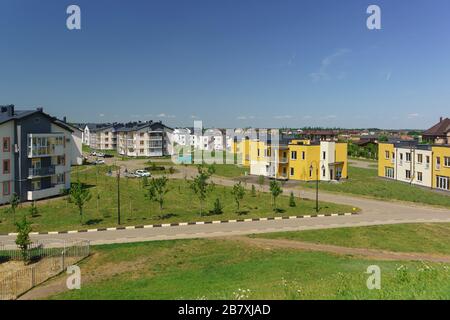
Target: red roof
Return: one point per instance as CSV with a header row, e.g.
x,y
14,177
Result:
x,y
439,129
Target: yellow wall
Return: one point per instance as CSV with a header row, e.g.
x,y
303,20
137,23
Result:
x,y
301,167
382,161
242,148
341,156
443,171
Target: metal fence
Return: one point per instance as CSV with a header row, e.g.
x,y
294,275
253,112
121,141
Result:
x,y
48,260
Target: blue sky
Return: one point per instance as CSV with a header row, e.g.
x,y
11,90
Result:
x,y
230,63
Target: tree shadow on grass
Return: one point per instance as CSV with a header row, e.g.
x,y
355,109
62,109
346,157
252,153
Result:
x,y
93,222
166,216
242,212
279,210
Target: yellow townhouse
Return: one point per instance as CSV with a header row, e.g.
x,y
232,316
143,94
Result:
x,y
299,160
441,167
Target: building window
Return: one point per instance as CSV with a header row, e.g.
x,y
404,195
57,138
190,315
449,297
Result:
x,y
292,171
387,154
6,166
419,158
324,172
438,163
6,144
324,155
310,172
303,155
60,160
428,159
401,156
408,156
447,161
393,155
294,155
60,178
419,176
389,172
6,188
408,174
36,184
258,152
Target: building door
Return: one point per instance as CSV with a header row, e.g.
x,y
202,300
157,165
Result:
x,y
443,183
331,174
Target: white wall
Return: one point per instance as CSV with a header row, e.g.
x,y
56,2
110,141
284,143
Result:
x,y
329,148
403,165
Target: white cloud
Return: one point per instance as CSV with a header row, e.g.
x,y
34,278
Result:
x,y
245,117
101,115
322,73
413,115
163,115
283,117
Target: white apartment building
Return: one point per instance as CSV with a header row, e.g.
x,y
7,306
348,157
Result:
x,y
104,137
413,164
145,139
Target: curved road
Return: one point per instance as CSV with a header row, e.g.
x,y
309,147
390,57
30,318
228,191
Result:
x,y
374,212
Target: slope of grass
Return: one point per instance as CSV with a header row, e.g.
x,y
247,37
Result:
x,y
181,205
430,238
366,182
215,269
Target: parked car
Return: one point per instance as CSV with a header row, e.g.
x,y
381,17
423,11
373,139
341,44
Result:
x,y
93,153
101,155
142,173
99,161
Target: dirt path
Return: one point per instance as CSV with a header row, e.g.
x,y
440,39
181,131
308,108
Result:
x,y
366,253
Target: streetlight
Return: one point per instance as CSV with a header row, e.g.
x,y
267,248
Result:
x,y
317,182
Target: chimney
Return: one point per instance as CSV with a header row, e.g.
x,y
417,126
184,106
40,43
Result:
x,y
440,120
40,109
9,110
64,119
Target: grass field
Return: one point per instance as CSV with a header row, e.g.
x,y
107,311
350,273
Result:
x,y
366,182
430,238
181,205
221,269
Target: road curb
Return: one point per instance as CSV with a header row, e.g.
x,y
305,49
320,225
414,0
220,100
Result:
x,y
168,225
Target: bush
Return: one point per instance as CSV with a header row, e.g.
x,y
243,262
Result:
x,y
292,200
218,208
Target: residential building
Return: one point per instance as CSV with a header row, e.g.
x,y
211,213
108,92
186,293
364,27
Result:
x,y
420,164
144,139
76,143
104,136
303,160
35,154
439,133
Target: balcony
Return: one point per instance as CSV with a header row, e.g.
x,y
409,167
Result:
x,y
54,190
41,172
281,160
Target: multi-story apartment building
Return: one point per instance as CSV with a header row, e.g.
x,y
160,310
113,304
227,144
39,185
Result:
x,y
144,139
419,164
104,136
35,156
303,160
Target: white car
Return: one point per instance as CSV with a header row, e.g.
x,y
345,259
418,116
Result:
x,y
142,173
99,161
101,155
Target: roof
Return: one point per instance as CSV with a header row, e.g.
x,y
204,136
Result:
x,y
6,116
439,129
136,126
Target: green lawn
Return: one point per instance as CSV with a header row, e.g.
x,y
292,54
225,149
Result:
x,y
221,269
430,238
366,182
181,205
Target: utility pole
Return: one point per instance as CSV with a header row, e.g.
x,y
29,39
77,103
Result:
x,y
317,188
118,195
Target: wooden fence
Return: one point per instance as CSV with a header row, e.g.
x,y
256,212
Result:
x,y
48,261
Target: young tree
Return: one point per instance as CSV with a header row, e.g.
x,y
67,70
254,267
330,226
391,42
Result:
x,y
201,185
218,208
238,193
23,240
15,201
261,182
33,209
79,195
292,200
158,189
253,191
275,190
144,181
